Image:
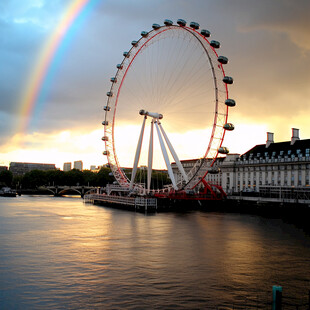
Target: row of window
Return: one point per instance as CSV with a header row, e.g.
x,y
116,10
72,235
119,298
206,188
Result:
x,y
274,167
271,179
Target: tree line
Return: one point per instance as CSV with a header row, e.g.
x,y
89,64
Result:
x,y
36,178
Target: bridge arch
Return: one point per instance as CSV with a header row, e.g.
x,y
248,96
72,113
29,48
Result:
x,y
67,189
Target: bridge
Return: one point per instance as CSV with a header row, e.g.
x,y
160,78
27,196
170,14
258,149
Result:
x,y
62,190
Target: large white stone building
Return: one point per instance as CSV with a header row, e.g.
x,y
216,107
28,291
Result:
x,y
281,164
271,164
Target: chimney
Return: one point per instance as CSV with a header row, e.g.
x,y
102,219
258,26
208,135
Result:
x,y
269,139
295,135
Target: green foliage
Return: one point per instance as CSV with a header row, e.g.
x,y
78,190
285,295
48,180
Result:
x,y
103,177
36,178
6,178
55,177
74,177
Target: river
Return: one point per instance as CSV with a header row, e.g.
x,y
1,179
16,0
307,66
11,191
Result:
x,y
60,253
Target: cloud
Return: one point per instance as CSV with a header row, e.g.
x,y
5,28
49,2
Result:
x,y
288,17
267,43
55,147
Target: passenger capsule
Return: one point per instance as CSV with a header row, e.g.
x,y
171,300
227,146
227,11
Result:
x,y
155,26
215,44
134,43
106,108
229,126
205,33
105,152
126,54
228,80
181,22
144,34
113,79
119,66
223,60
105,123
230,102
105,138
223,150
168,22
214,170
194,25
109,94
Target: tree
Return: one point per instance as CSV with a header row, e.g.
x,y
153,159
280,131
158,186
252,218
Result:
x,y
6,177
34,178
74,177
89,178
103,177
55,177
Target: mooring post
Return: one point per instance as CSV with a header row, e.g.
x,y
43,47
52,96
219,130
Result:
x,y
276,297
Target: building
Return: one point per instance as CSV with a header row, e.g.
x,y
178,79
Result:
x,y
281,164
21,168
78,165
213,178
67,166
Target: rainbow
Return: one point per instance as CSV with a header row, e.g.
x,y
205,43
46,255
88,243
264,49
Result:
x,y
30,95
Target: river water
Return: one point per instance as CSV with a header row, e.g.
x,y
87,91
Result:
x,y
59,253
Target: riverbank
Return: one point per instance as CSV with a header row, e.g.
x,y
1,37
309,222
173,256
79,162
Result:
x,y
292,213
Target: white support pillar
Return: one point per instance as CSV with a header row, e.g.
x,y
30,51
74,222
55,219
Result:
x,y
150,159
137,156
174,154
166,158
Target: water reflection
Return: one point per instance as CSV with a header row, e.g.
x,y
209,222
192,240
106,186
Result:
x,y
62,253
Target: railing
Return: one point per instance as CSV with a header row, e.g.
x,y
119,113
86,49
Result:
x,y
136,202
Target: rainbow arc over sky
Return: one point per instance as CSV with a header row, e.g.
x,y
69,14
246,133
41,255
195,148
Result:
x,y
46,59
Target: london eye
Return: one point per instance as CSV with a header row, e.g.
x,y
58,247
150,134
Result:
x,y
171,79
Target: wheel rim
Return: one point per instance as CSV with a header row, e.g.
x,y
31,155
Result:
x,y
125,77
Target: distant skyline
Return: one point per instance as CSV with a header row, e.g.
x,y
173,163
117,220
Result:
x,y
267,43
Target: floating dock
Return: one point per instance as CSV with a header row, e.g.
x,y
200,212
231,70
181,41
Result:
x,y
124,202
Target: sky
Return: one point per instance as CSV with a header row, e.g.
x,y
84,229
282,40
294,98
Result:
x,y
267,43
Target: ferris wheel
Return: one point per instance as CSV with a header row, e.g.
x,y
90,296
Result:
x,y
173,77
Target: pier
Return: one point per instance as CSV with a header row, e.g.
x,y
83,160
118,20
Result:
x,y
125,202
276,194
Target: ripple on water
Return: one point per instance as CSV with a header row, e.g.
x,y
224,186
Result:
x,y
63,254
